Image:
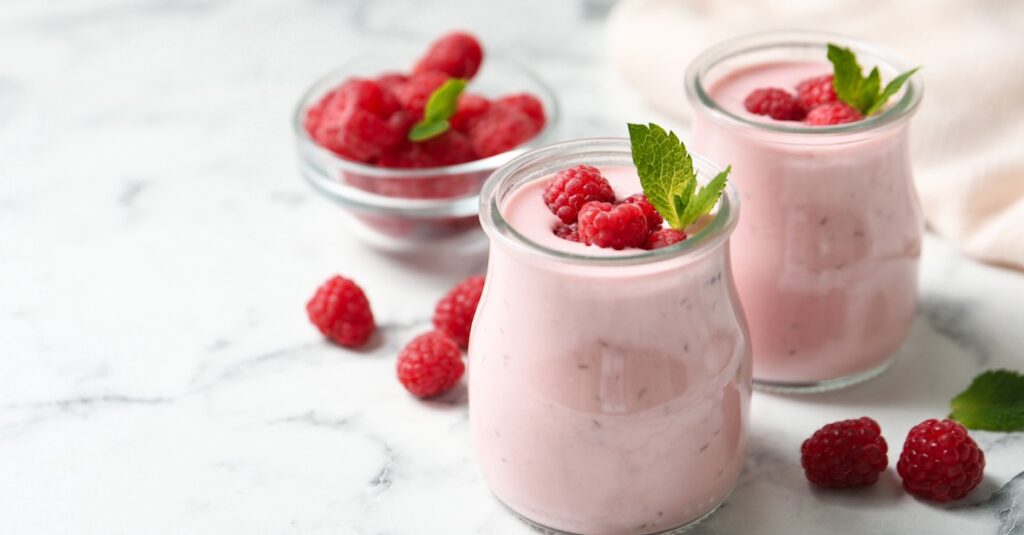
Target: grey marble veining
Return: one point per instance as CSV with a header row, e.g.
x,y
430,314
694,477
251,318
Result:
x,y
157,245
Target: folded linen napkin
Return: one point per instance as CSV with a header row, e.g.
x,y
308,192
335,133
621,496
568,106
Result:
x,y
968,136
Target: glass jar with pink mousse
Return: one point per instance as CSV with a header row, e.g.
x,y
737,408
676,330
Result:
x,y
826,255
609,389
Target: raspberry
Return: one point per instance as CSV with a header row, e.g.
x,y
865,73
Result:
x,y
612,225
468,109
850,453
654,219
453,314
832,113
663,238
776,103
568,232
571,188
815,91
499,130
456,54
354,133
392,81
416,91
340,311
430,365
366,95
528,105
940,461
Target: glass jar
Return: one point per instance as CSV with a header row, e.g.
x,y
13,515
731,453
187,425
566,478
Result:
x,y
826,255
608,394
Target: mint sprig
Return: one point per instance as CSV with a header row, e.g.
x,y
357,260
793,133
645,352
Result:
x,y
993,402
667,176
860,92
439,109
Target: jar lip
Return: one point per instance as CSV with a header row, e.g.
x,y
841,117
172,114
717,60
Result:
x,y
335,76
698,96
494,224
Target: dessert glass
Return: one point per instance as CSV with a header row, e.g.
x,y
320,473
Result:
x,y
411,211
608,394
826,255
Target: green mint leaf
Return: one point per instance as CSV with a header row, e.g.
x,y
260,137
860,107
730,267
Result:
x,y
993,402
668,178
704,201
847,78
864,94
890,90
664,168
440,107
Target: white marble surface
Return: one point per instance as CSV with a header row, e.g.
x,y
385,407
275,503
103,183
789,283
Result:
x,y
158,374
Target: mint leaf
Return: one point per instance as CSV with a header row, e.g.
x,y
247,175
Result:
x,y
852,87
440,108
664,168
668,178
706,199
890,90
993,402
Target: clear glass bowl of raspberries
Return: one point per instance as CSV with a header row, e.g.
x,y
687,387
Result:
x,y
352,131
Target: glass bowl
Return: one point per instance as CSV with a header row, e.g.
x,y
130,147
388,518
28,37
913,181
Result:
x,y
414,210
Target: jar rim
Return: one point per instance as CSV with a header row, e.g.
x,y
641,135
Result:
x,y
568,153
699,97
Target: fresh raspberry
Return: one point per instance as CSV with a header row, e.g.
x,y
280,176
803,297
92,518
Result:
x,y
392,81
526,103
453,314
430,365
776,103
571,188
850,453
940,461
654,219
615,226
340,311
366,95
449,148
355,133
568,232
499,130
663,238
832,113
416,91
457,54
468,109
815,91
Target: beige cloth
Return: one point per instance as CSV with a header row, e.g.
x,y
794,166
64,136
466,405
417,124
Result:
x,y
968,136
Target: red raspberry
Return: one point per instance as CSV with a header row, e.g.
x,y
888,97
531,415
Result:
x,y
340,311
776,103
832,113
850,453
468,109
654,219
527,104
392,81
940,461
430,365
449,148
612,225
366,95
568,232
457,54
453,314
815,91
571,188
499,130
354,133
663,238
416,91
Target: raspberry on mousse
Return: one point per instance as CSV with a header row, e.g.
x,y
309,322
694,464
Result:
x,y
832,113
774,102
571,188
815,91
617,226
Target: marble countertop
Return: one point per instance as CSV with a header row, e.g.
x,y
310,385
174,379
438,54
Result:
x,y
157,246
